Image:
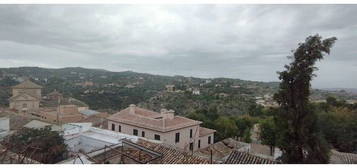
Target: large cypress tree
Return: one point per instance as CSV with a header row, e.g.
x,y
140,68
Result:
x,y
300,138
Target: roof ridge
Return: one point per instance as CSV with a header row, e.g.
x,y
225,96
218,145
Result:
x,y
23,93
28,84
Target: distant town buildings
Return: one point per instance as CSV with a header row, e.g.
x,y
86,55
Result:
x,y
223,95
196,91
266,101
235,86
170,88
173,130
55,108
26,96
86,84
130,86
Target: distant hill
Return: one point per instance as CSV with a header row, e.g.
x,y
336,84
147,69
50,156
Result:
x,y
348,90
106,90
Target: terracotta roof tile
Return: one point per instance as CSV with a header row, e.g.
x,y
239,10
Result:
x,y
260,149
222,149
171,155
236,157
151,120
343,158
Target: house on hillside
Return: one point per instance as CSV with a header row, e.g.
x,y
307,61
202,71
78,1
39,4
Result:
x,y
170,88
196,91
177,131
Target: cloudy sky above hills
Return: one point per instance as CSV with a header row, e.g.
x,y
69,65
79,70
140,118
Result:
x,y
239,41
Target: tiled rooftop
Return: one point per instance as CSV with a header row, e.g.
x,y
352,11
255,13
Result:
x,y
152,120
245,158
222,149
342,158
171,155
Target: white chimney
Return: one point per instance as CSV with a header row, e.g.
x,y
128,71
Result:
x,y
167,114
171,114
132,109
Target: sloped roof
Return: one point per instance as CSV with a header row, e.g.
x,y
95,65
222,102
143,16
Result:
x,y
89,112
35,124
23,94
342,157
27,84
205,131
171,155
73,101
222,149
260,149
151,120
236,157
64,101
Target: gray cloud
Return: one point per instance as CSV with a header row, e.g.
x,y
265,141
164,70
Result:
x,y
239,41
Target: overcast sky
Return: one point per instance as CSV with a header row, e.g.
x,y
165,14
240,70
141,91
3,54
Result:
x,y
238,41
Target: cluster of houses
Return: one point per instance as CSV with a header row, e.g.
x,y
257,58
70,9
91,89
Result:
x,y
132,135
266,101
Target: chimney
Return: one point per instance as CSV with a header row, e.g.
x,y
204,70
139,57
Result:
x,y
132,109
167,114
171,114
163,112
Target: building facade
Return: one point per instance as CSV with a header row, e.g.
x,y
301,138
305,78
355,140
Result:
x,y
176,131
26,96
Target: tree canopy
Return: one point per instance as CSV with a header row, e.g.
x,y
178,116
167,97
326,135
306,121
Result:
x,y
45,146
301,141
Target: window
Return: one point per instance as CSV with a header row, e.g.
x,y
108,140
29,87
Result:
x,y
209,140
199,143
143,134
191,133
135,132
113,127
191,146
24,105
177,137
119,126
157,137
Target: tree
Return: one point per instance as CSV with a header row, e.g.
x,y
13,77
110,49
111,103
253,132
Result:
x,y
339,126
225,127
246,136
255,110
301,139
331,101
268,133
244,123
47,146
